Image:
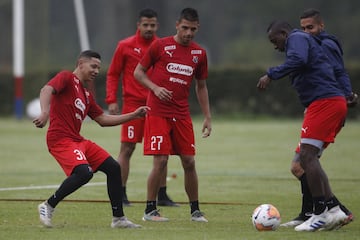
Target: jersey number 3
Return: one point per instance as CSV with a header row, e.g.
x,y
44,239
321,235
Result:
x,y
80,156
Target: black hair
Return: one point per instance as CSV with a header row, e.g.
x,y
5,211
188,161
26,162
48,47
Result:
x,y
148,13
89,54
189,14
279,26
311,13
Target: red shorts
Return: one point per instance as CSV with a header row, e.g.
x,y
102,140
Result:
x,y
70,154
132,131
168,136
324,119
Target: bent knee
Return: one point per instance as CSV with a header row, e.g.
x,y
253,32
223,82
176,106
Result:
x,y
308,155
84,173
296,169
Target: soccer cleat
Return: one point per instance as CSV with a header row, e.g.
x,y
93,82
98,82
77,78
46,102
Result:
x,y
297,221
45,213
349,219
198,216
337,218
123,222
315,222
154,216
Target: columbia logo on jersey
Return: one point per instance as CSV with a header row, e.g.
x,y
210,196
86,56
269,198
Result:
x,y
179,69
80,105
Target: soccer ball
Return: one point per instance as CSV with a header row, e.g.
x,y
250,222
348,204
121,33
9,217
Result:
x,y
266,217
33,108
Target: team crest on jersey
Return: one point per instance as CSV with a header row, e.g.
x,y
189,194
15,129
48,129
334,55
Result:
x,y
195,59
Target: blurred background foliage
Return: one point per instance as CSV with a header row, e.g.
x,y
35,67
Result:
x,y
233,32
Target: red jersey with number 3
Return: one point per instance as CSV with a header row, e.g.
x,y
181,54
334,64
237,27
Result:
x,y
68,108
174,68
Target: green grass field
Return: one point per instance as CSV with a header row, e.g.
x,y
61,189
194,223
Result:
x,y
243,164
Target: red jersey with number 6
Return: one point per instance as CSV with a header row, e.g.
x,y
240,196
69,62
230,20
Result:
x,y
127,55
174,68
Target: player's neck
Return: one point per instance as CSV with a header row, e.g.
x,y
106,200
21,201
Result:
x,y
78,75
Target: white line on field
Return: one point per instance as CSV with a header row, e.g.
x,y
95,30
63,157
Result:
x,y
47,187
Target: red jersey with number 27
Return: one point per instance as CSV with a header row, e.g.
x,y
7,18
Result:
x,y
174,68
68,108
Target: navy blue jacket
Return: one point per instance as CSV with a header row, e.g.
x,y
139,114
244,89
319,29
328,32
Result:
x,y
333,50
308,67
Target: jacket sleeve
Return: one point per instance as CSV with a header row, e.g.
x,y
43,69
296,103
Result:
x,y
113,75
336,59
296,57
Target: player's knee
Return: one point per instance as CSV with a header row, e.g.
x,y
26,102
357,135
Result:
x,y
84,173
308,156
127,149
296,169
188,163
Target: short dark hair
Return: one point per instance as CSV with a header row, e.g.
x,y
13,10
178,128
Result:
x,y
89,54
279,26
189,14
311,13
148,13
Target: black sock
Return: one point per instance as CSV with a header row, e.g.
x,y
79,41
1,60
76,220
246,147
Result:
x,y
194,206
113,179
333,202
319,205
307,203
80,175
150,206
162,193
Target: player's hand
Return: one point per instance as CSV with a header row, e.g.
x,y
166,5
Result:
x,y
206,129
113,108
263,82
141,111
41,121
162,93
352,100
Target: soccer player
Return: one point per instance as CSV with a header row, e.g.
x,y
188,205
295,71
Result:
x,y
66,101
176,61
126,56
320,93
311,22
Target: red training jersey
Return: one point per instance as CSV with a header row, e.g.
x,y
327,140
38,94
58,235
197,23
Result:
x,y
68,108
174,67
127,55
